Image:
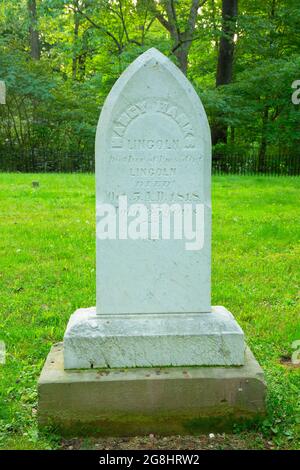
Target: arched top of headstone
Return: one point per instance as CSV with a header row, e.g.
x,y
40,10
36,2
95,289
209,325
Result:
x,y
153,81
163,66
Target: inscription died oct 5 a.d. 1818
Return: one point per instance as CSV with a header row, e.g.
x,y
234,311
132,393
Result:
x,y
153,145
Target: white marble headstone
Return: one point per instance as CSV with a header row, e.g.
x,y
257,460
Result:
x,y
154,146
153,295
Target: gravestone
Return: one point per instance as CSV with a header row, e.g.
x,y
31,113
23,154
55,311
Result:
x,y
153,154
153,295
153,145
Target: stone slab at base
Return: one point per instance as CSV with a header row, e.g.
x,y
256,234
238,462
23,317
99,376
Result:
x,y
150,340
124,402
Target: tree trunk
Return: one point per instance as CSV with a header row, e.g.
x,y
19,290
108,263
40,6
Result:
x,y
182,37
266,111
182,56
225,58
75,45
35,49
82,65
215,35
219,133
226,49
263,144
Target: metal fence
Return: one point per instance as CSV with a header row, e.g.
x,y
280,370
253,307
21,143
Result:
x,y
46,161
272,164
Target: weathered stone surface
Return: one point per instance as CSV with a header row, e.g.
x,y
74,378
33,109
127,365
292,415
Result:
x,y
176,400
153,145
153,296
152,340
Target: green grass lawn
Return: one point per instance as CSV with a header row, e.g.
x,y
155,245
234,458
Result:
x,y
47,270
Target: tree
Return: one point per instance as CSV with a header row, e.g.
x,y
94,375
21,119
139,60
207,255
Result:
x,y
181,32
225,58
76,19
35,50
226,48
266,110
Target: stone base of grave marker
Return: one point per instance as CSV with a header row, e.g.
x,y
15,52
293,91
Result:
x,y
149,340
165,401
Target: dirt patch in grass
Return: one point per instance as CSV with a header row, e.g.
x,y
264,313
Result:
x,y
287,361
203,442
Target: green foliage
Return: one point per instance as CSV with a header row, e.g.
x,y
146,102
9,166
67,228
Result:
x,y
241,104
54,103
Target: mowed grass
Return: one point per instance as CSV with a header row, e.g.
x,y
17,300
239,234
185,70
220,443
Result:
x,y
47,270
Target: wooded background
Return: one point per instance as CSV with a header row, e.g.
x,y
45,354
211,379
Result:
x,y
60,58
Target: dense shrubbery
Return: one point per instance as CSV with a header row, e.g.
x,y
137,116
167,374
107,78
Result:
x,y
59,60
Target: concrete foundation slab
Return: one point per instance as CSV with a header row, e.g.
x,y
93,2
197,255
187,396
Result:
x,y
153,340
170,400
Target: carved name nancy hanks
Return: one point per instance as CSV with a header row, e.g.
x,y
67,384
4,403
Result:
x,y
154,106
